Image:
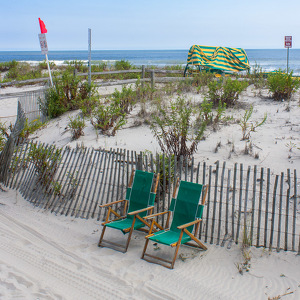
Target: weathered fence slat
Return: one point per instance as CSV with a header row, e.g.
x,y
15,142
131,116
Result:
x,y
253,203
267,207
280,210
287,210
294,211
240,204
273,212
220,202
208,202
215,202
260,205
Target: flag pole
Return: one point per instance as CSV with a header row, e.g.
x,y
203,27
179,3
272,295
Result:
x,y
44,46
49,69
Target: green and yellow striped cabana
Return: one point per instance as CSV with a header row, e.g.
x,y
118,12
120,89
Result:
x,y
222,59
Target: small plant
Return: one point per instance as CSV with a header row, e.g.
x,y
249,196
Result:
x,y
206,109
30,127
246,252
248,127
123,65
45,161
108,117
76,126
124,99
68,93
174,129
4,134
226,90
257,77
282,85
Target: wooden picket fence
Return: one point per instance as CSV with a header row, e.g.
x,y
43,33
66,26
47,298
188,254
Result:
x,y
242,203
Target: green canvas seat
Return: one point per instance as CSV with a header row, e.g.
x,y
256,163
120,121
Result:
x,y
187,212
139,200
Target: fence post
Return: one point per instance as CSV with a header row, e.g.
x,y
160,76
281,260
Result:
x,y
143,75
152,79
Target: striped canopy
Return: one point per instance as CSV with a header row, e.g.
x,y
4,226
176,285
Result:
x,y
218,58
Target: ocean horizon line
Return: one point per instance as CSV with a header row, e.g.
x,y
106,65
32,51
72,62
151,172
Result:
x,y
56,50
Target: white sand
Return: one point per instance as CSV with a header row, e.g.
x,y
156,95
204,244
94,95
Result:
x,y
44,256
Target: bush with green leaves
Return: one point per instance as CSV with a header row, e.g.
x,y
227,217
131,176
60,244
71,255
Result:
x,y
174,128
30,127
108,117
247,126
4,134
225,90
207,114
76,125
22,71
100,67
45,160
122,65
77,65
5,66
257,77
282,85
125,99
68,93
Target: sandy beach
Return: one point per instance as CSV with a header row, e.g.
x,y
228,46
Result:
x,y
44,256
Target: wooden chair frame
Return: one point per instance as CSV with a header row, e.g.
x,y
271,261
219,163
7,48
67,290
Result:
x,y
197,243
120,247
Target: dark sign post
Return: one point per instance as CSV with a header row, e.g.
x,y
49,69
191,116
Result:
x,y
288,45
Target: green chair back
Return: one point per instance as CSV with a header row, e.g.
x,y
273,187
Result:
x,y
139,195
185,207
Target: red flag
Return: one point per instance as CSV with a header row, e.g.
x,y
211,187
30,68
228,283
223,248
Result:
x,y
43,26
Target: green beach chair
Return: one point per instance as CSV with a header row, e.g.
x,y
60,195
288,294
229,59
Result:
x,y
139,200
187,212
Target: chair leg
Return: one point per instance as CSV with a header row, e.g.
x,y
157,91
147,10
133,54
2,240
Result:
x,y
101,237
145,248
176,250
175,256
130,233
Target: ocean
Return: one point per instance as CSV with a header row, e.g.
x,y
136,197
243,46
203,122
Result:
x,y
267,59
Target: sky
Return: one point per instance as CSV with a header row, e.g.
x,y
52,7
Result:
x,y
151,24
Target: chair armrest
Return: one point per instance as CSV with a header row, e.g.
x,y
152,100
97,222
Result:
x,y
189,224
155,215
140,210
112,203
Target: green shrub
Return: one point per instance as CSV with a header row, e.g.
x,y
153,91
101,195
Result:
x,y
123,65
43,65
68,93
4,134
206,111
174,129
45,160
76,125
5,66
30,127
226,90
125,99
202,79
282,85
102,66
77,65
248,127
257,77
22,71
53,106
108,118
